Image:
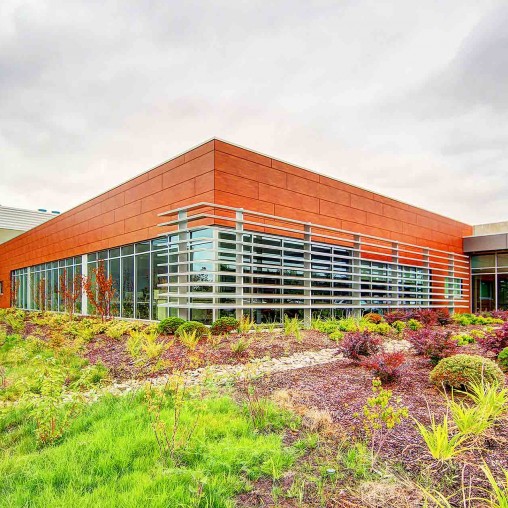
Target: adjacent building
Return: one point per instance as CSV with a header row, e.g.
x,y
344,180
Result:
x,y
222,230
488,248
15,221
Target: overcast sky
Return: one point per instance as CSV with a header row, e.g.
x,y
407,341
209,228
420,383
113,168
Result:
x,y
406,98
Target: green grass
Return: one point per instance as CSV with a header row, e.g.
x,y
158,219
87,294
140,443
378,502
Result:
x,y
109,457
26,361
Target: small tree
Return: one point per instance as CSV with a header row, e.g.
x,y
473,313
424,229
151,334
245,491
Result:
x,y
70,291
41,295
14,292
100,292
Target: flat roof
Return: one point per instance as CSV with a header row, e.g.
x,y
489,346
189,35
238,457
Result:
x,y
20,219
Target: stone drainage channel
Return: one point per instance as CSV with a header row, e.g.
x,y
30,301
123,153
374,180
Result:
x,y
224,374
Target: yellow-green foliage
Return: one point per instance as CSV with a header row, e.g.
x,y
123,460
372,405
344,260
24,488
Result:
x,y
189,338
336,328
441,446
414,324
472,319
245,324
240,346
133,343
464,338
292,327
336,335
399,326
381,410
15,321
382,329
150,347
118,328
469,419
144,346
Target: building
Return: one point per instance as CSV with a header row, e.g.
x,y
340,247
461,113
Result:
x,y
222,230
488,248
15,221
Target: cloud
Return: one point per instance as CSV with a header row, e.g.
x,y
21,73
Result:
x,y
389,96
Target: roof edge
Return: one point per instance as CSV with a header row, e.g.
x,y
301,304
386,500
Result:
x,y
337,179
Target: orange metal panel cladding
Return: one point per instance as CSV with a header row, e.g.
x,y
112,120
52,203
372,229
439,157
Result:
x,y
226,174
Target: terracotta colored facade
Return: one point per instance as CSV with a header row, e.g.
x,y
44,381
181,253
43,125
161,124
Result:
x,y
225,174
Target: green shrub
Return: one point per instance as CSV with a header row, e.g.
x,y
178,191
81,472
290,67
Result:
x,y
460,371
463,339
414,324
91,375
326,326
348,325
224,325
336,335
502,359
190,326
473,319
382,329
170,325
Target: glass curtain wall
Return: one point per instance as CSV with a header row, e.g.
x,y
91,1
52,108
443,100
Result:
x,y
38,287
206,272
136,270
490,281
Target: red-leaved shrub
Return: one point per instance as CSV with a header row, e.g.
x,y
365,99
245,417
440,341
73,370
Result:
x,y
396,315
496,340
359,344
426,316
443,317
385,366
433,344
429,317
500,314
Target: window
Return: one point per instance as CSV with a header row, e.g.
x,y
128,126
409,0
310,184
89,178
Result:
x,y
1,287
453,288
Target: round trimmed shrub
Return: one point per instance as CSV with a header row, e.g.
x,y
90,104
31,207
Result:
x,y
459,371
224,325
502,359
170,325
190,326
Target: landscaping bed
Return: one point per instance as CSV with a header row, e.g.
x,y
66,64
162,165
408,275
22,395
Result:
x,y
115,356
350,428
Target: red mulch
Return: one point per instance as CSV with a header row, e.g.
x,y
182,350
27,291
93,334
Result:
x,y
342,389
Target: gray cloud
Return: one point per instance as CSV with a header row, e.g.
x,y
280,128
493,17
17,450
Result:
x,y
405,98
